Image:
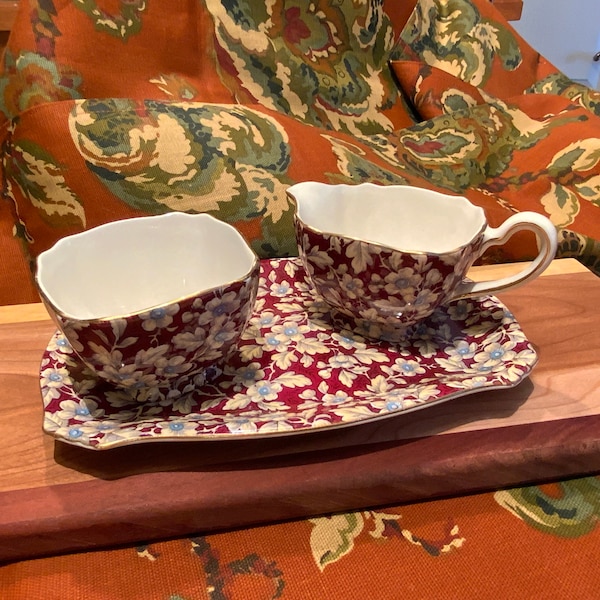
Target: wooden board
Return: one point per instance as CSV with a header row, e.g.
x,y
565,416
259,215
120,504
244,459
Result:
x,y
57,498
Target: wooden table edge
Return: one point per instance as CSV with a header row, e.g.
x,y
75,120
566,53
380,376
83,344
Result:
x,y
23,313
189,502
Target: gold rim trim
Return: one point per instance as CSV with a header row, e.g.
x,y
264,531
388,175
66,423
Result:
x,y
387,247
63,315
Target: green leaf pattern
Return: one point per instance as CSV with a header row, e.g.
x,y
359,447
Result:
x,y
158,157
452,35
41,180
322,62
122,24
335,536
571,512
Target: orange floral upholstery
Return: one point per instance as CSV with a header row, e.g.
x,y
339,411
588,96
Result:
x,y
111,109
500,120
228,105
434,92
553,169
210,107
471,41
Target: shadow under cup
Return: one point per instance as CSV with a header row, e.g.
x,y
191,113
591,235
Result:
x,y
152,305
384,258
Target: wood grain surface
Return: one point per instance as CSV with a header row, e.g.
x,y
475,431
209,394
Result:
x,y
56,498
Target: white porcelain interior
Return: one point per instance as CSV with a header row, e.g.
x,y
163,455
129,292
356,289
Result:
x,y
396,216
135,264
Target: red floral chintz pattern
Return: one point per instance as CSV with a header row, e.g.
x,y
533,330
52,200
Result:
x,y
295,371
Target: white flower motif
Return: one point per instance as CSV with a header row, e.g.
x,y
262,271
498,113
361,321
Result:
x,y
290,331
176,428
78,434
353,287
60,343
82,410
264,390
461,351
159,317
340,397
271,342
494,355
219,307
53,377
393,405
404,281
222,331
460,310
409,367
266,319
348,340
248,374
171,366
281,288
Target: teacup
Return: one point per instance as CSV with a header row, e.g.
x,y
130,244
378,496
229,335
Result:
x,y
386,257
153,305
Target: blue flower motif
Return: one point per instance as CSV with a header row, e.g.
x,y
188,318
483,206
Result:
x,y
266,320
157,313
62,342
272,341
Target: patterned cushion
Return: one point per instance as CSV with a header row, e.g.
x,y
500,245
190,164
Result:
x,y
534,152
239,100
468,42
560,85
73,165
322,62
434,92
76,164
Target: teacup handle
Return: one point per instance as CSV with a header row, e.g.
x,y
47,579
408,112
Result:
x,y
547,244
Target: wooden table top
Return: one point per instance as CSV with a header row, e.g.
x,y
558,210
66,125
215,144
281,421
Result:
x,y
56,497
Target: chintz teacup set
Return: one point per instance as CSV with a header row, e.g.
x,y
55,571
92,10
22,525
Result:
x,y
154,303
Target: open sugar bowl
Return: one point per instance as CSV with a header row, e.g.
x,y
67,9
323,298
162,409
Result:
x,y
384,258
152,305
